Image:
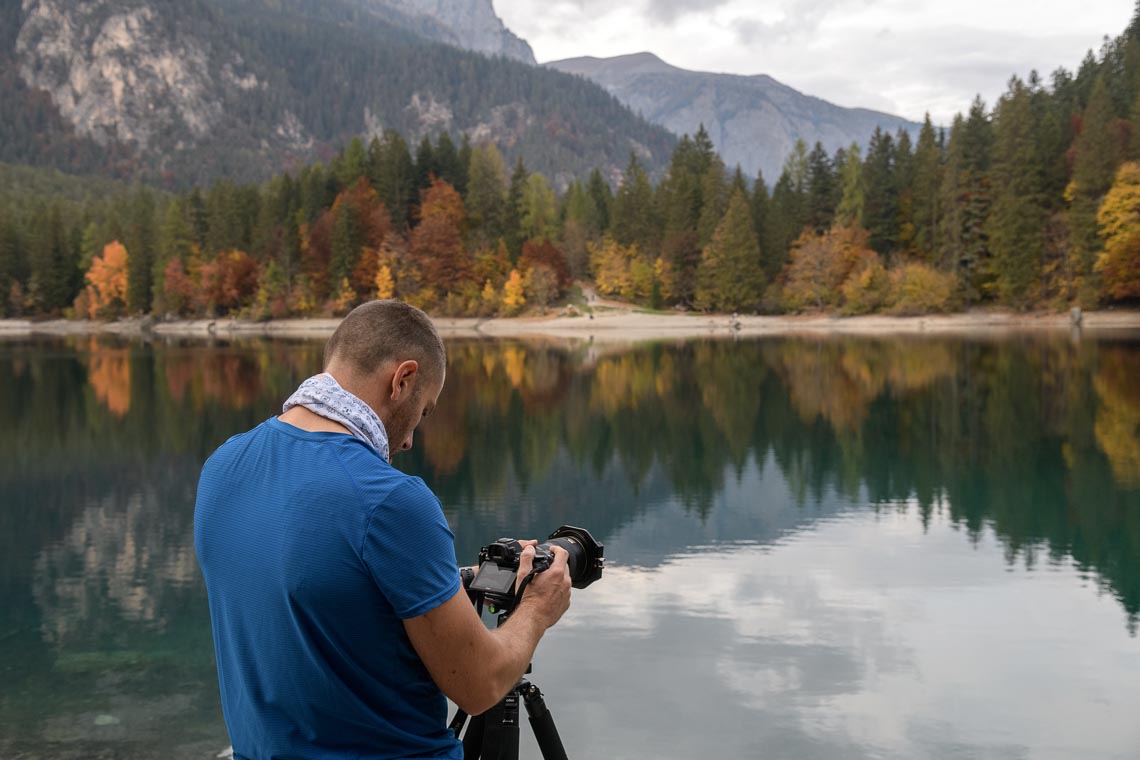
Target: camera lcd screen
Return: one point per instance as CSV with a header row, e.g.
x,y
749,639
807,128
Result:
x,y
494,579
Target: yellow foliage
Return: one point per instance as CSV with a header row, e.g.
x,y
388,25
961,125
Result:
x,y
1118,418
609,263
344,297
919,289
385,283
1119,220
513,297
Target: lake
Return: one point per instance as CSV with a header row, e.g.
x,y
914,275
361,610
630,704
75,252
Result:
x,y
816,547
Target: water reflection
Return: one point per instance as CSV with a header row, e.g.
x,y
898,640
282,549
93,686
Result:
x,y
801,530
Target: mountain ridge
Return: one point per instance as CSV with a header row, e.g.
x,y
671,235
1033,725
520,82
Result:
x,y
753,120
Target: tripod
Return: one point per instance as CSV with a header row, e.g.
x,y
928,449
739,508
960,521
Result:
x,y
494,735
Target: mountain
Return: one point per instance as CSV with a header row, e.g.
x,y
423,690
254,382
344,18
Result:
x,y
753,121
469,24
185,91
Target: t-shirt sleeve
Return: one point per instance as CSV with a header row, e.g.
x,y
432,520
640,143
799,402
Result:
x,y
410,550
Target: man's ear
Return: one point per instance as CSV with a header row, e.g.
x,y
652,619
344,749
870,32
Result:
x,y
404,378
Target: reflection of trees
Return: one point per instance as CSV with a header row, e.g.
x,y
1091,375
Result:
x,y
1118,418
109,373
1038,438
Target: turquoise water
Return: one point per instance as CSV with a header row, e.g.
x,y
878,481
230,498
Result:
x,y
817,548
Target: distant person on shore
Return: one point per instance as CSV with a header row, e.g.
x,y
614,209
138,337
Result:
x,y
338,615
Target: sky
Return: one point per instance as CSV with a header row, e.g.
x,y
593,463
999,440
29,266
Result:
x,y
906,57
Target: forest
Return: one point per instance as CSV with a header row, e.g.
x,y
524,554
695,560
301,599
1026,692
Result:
x,y
1033,203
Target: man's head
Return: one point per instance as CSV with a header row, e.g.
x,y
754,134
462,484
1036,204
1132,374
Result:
x,y
389,354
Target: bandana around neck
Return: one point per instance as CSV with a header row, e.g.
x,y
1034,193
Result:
x,y
322,395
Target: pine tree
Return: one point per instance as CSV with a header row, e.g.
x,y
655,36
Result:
x,y
1016,223
512,214
53,272
880,203
446,161
603,199
393,175
486,195
633,207
761,203
965,200
730,277
140,240
426,167
1097,153
850,211
539,209
714,195
925,191
820,190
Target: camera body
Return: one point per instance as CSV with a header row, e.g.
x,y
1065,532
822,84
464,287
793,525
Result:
x,y
499,564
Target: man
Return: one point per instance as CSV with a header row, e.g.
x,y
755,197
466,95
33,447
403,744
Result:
x,y
338,615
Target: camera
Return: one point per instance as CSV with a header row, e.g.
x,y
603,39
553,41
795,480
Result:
x,y
499,564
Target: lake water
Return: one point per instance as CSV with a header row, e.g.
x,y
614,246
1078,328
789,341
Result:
x,y
817,547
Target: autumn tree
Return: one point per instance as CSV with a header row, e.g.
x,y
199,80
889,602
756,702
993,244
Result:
x,y
436,244
106,292
1119,218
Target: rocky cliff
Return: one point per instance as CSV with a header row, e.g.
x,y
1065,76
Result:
x,y
186,91
469,24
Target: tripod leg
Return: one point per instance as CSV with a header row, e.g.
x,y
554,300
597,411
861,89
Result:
x,y
542,723
473,739
501,729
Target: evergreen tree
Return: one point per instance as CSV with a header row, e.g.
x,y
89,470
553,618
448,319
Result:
x,y
966,199
175,241
53,274
539,209
486,195
714,195
730,277
393,174
140,241
880,203
925,191
633,207
447,164
426,167
352,164
850,211
512,215
761,202
820,190
904,172
1017,221
1097,153
603,199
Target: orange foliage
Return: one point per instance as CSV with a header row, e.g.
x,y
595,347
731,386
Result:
x,y
109,374
107,282
436,244
233,280
544,253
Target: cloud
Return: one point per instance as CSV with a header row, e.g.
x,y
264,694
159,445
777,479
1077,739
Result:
x,y
903,56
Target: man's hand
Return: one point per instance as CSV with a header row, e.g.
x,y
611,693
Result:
x,y
547,596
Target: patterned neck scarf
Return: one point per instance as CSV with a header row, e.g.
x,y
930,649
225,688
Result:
x,y
322,395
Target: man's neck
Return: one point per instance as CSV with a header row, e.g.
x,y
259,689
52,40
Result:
x,y
302,418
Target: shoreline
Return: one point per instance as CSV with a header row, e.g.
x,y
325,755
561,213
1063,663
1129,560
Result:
x,y
625,325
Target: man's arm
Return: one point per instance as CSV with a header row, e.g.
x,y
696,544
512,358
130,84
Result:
x,y
476,667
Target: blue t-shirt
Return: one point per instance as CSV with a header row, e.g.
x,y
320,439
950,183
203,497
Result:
x,y
314,549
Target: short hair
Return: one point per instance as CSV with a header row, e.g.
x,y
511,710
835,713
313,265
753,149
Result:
x,y
381,331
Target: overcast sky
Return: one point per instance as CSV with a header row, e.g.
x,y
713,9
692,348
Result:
x,y
902,56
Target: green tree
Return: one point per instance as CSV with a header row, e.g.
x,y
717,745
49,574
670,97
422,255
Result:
x,y
486,194
730,277
821,189
140,239
1097,153
633,207
512,215
393,175
1017,221
925,191
880,204
539,209
965,200
850,211
603,199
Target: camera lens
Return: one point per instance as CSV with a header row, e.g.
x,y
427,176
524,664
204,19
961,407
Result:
x,y
585,554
